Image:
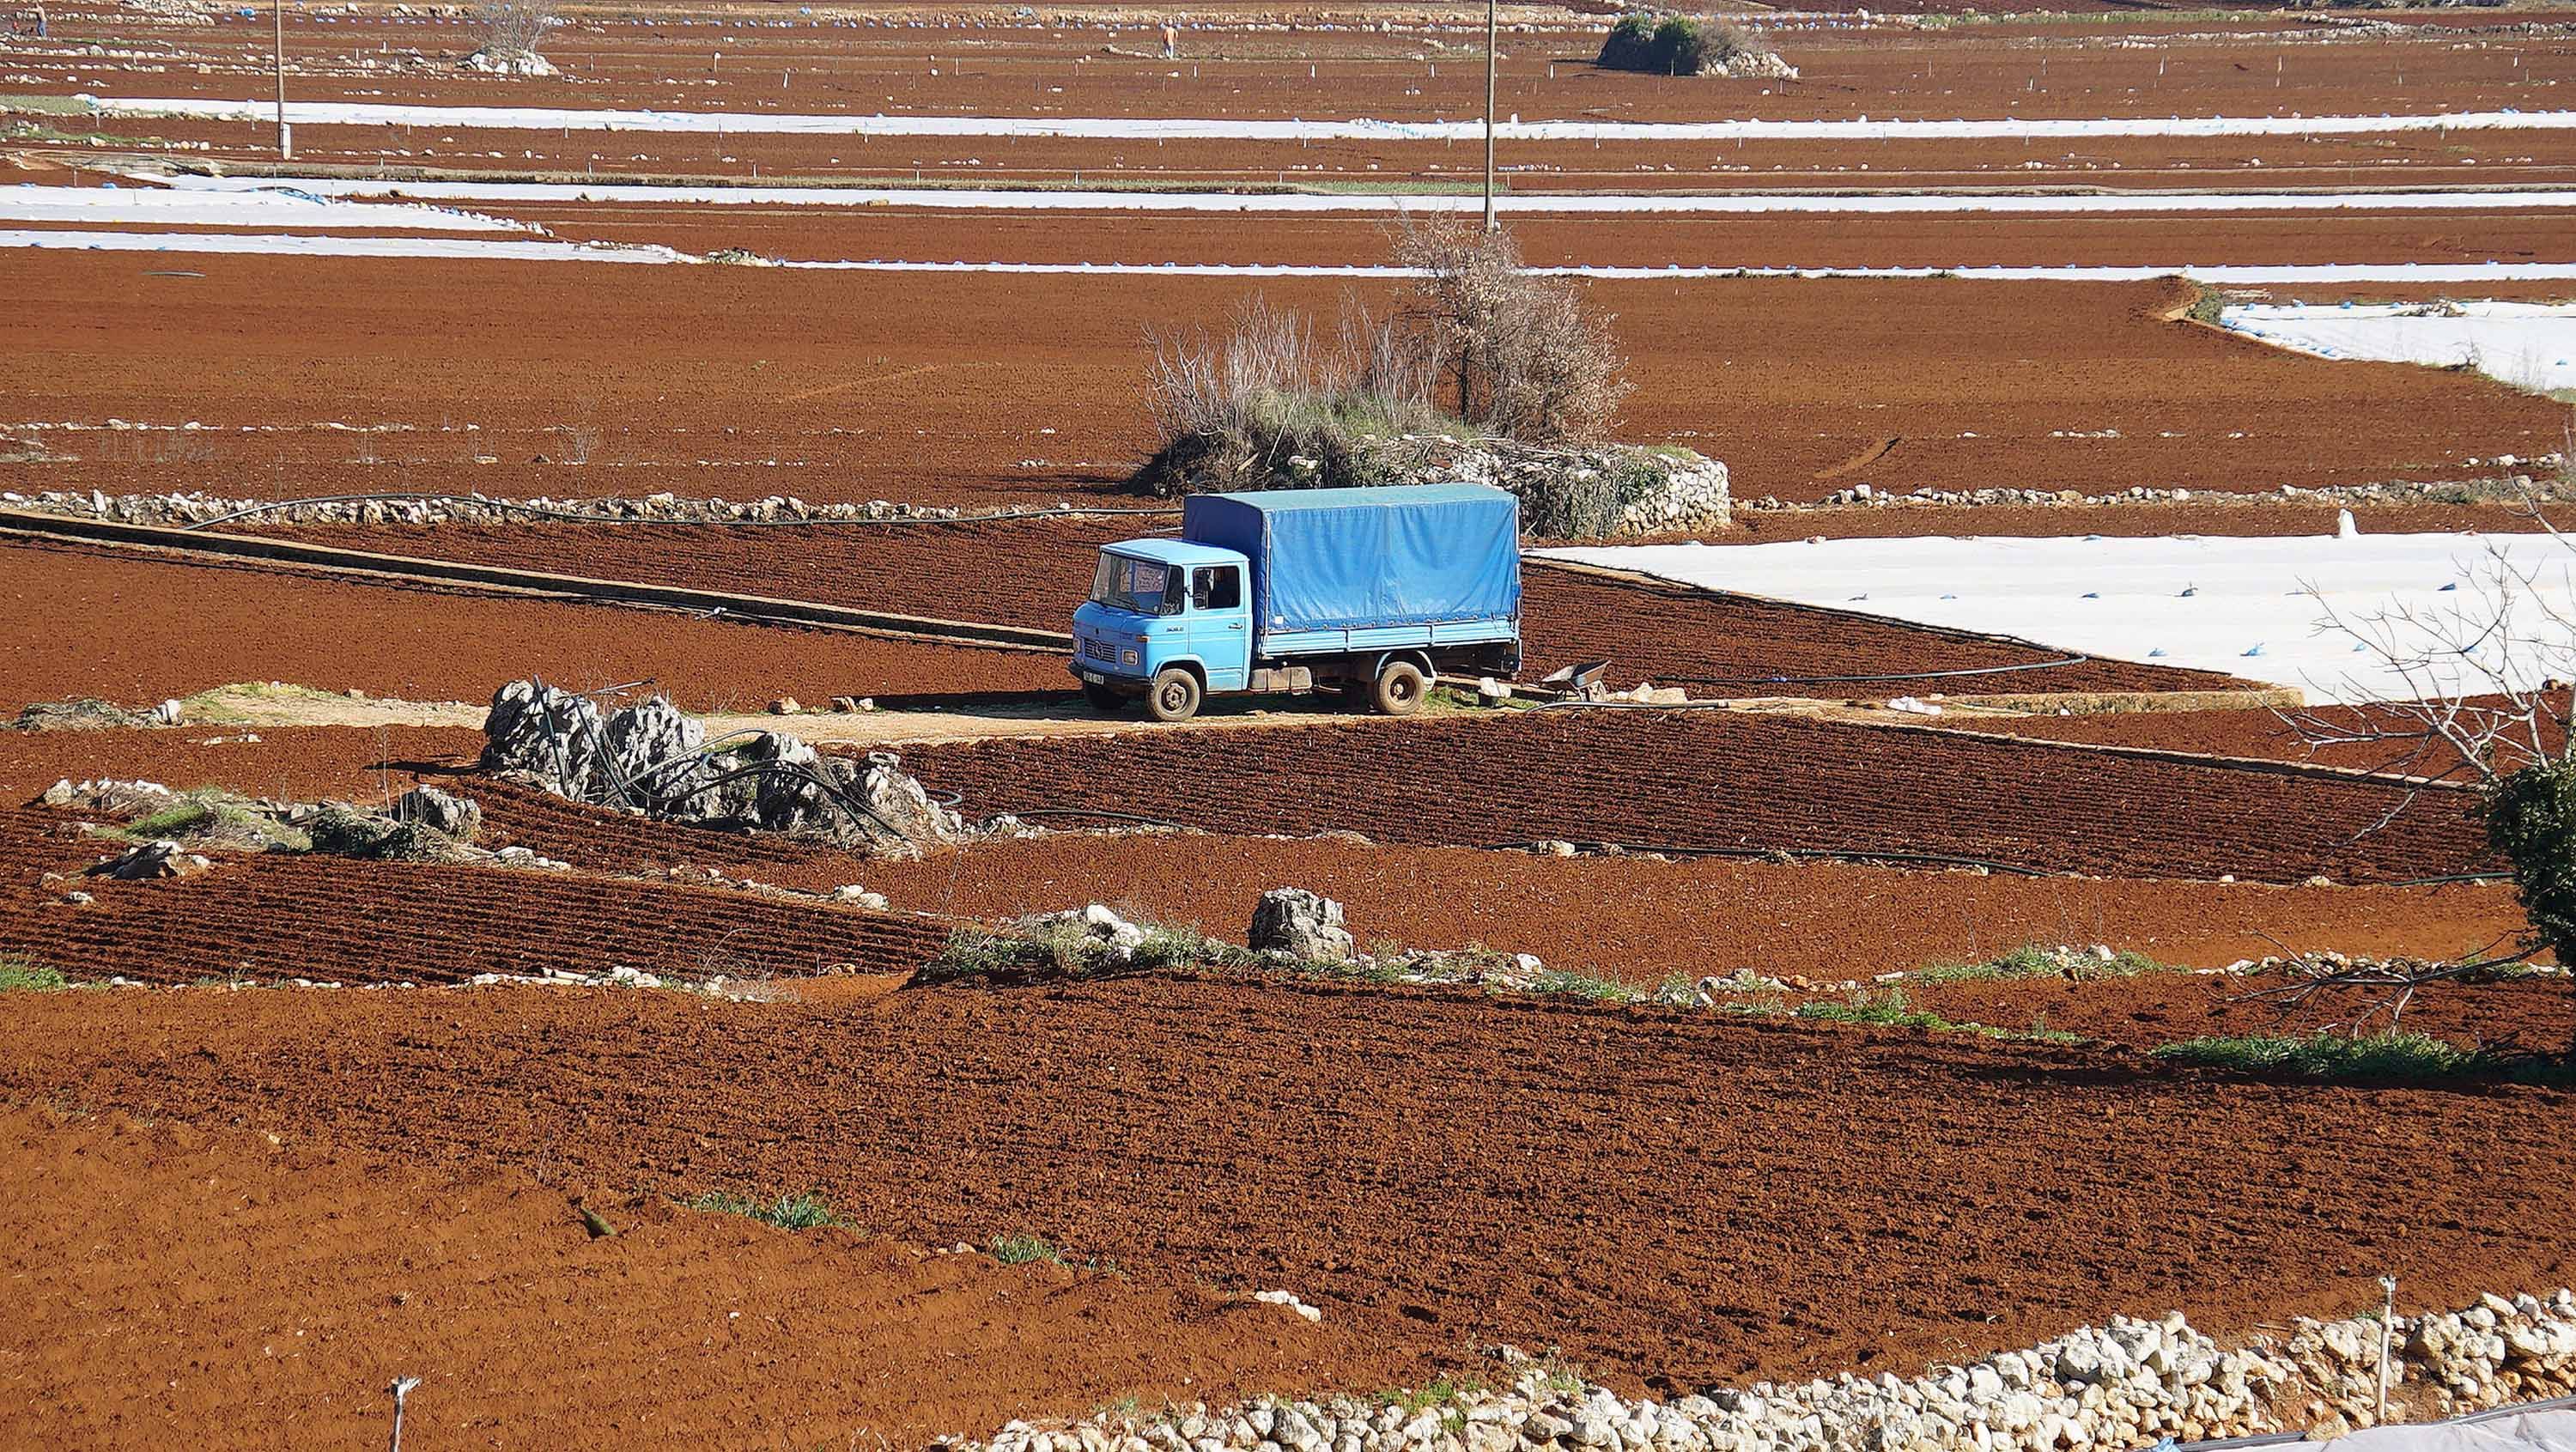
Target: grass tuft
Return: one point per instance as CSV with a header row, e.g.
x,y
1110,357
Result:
x,y
2035,960
807,1211
25,975
1023,1250
2391,1057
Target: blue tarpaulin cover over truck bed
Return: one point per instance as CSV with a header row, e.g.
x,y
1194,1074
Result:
x,y
1337,559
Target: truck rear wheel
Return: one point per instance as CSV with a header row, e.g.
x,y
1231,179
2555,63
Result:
x,y
1399,689
1174,696
1103,699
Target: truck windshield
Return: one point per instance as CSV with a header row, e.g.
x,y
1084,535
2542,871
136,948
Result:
x,y
1125,583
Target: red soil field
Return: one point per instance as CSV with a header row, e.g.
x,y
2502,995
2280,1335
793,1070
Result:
x,y
2533,1015
1977,384
1722,780
2192,516
224,1286
273,916
1033,572
1672,1200
135,630
804,233
2265,734
290,763
1642,921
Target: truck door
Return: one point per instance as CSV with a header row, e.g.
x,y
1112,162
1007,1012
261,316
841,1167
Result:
x,y
1220,625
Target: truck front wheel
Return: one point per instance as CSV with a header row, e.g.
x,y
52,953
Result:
x,y
1174,696
1399,689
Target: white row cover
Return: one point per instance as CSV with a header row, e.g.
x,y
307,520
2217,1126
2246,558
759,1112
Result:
x,y
1122,128
2529,345
1543,204
2255,608
267,207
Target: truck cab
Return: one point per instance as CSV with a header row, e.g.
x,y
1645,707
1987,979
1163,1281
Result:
x,y
1167,621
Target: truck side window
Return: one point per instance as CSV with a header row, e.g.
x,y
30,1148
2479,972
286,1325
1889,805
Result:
x,y
1217,587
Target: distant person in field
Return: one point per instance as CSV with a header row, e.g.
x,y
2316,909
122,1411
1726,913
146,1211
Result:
x,y
1171,43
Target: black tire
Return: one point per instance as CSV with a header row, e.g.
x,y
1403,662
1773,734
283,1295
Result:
x,y
1399,689
1174,696
1103,699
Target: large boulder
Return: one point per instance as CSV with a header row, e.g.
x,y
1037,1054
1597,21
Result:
x,y
649,749
1302,924
904,806
548,734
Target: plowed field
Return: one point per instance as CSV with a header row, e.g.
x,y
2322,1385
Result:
x,y
136,630
1643,921
272,917
2532,1016
1722,780
1671,1200
1032,573
291,763
980,389
260,1294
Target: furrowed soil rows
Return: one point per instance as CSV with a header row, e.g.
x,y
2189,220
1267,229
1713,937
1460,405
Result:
x,y
1033,572
2528,1016
982,390
293,763
274,916
1672,1200
1642,921
150,1259
136,629
1722,780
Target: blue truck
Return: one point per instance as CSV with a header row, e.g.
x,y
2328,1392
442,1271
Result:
x,y
1371,592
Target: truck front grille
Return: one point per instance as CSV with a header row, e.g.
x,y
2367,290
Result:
x,y
1099,651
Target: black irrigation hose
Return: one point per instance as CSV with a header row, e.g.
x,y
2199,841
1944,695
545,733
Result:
x,y
572,516
1998,670
1831,854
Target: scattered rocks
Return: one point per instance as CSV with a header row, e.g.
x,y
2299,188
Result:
x,y
340,831
1301,924
2131,1383
861,897
152,860
1289,1300
460,818
522,63
1116,939
197,508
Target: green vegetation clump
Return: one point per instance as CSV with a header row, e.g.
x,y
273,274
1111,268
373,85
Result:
x,y
1892,1010
2034,960
24,975
1067,947
1023,1250
2389,1057
2531,820
807,1211
211,814
1674,45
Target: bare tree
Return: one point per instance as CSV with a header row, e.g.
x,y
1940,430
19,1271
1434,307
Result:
x,y
1528,361
514,27
2484,695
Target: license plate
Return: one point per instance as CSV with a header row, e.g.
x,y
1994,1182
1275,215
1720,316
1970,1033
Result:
x,y
1094,678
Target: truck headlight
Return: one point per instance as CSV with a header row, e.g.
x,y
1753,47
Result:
x,y
1128,657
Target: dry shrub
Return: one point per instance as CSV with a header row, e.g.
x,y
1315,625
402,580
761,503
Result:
x,y
1235,410
1526,360
514,27
1677,45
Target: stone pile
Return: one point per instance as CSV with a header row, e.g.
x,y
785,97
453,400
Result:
x,y
190,507
2504,488
651,759
152,860
2128,1384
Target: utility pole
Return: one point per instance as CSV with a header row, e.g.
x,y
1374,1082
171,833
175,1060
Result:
x,y
1490,29
285,137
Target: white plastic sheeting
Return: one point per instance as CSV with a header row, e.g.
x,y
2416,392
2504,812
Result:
x,y
2538,1431
1723,204
323,244
2529,345
2249,607
1126,128
268,207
